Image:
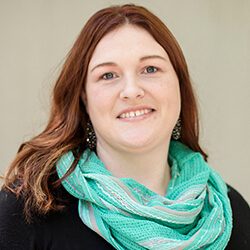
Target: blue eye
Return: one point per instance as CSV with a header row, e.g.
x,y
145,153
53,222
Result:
x,y
108,76
151,69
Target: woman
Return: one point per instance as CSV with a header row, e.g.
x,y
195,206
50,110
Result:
x,y
123,138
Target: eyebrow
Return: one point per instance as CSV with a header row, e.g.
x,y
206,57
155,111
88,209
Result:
x,y
152,57
141,60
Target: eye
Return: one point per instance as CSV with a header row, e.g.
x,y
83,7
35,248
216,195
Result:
x,y
108,76
150,69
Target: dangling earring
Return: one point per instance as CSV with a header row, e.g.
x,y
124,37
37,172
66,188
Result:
x,y
91,137
176,134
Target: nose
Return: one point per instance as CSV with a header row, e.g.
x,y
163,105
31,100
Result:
x,y
131,90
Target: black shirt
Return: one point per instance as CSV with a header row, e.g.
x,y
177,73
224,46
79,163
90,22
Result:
x,y
65,231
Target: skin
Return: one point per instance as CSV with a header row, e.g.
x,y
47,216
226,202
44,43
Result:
x,y
128,71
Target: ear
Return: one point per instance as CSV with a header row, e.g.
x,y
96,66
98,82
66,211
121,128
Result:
x,y
84,99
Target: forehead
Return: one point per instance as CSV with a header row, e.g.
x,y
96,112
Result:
x,y
126,41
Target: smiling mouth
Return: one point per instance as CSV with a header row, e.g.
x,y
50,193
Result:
x,y
136,113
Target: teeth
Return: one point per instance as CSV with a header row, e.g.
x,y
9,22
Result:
x,y
132,114
135,113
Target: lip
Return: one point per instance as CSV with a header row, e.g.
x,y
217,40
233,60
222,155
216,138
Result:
x,y
134,109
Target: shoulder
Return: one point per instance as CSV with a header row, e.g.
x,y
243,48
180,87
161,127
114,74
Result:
x,y
240,238
238,203
15,233
62,230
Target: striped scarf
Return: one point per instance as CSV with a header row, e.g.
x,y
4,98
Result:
x,y
195,212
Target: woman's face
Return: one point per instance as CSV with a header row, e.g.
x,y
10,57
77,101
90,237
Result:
x,y
132,91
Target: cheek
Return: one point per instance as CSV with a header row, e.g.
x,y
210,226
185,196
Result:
x,y
168,91
98,101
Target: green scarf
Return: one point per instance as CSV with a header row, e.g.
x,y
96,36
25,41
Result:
x,y
195,212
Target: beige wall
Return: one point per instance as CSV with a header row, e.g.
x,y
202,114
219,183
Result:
x,y
214,34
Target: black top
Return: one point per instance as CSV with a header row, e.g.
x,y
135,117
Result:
x,y
65,230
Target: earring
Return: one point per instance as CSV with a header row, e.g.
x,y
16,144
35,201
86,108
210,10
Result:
x,y
91,137
176,134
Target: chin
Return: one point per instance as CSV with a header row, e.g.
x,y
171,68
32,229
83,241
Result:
x,y
136,145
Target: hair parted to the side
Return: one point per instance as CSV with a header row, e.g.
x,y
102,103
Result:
x,y
32,172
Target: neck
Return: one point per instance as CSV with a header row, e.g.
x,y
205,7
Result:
x,y
149,168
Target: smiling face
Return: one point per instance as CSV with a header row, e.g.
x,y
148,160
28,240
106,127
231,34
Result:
x,y
132,91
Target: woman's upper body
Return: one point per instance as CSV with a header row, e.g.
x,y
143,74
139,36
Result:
x,y
124,92
65,230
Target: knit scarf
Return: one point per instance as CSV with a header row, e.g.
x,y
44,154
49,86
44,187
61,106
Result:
x,y
195,213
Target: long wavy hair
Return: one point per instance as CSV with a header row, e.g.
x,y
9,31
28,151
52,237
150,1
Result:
x,y
32,174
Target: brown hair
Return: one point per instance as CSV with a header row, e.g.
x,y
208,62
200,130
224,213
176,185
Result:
x,y
31,173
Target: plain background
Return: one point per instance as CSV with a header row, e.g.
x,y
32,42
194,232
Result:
x,y
36,35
